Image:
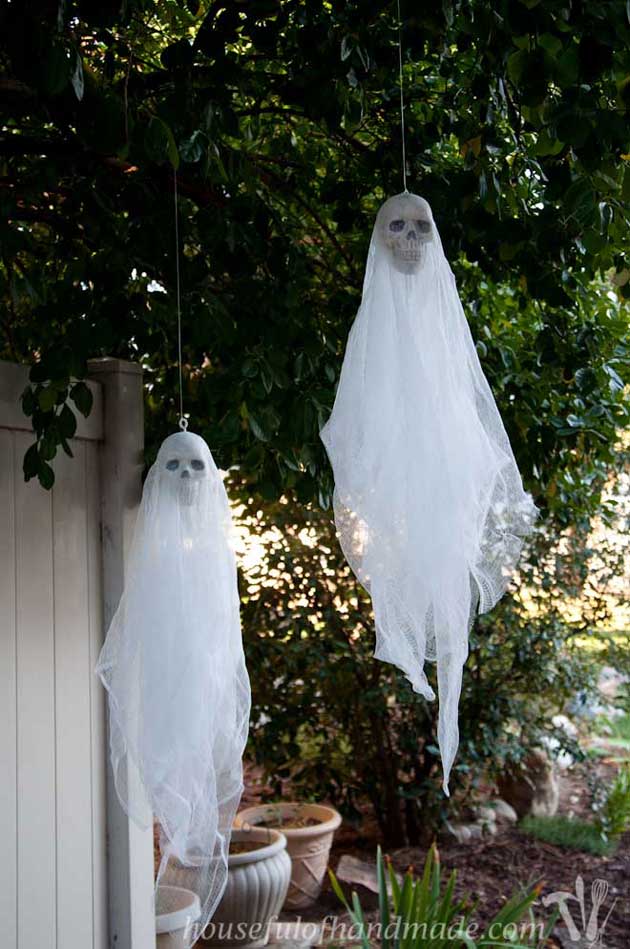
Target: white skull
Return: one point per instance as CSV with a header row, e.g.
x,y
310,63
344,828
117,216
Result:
x,y
406,227
183,457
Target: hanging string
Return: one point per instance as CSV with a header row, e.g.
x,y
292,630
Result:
x,y
183,422
402,102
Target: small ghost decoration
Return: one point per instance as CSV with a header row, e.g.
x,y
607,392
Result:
x,y
174,670
429,504
406,227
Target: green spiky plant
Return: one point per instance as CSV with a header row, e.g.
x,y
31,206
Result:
x,y
614,817
421,913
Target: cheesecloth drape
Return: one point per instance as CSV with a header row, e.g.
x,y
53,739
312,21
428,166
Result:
x,y
429,504
174,670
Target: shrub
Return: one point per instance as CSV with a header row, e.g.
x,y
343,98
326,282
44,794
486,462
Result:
x,y
346,727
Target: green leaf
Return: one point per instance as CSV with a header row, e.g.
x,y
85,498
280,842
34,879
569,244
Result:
x,y
30,464
48,444
56,69
28,401
159,142
516,65
82,398
585,379
360,919
67,422
46,476
567,66
47,398
616,382
249,368
257,428
395,888
547,144
593,242
195,147
483,186
266,377
552,44
580,199
334,882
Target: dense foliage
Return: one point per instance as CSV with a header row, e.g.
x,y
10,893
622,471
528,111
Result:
x,y
342,726
282,119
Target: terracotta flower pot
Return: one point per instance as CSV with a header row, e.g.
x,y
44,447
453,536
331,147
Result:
x,y
256,887
308,845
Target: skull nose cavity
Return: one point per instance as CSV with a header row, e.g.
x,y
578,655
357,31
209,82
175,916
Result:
x,y
412,236
185,473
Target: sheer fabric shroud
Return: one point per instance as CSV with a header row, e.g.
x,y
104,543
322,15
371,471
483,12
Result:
x,y
429,503
175,673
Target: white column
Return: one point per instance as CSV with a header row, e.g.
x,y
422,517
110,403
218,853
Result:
x,y
130,850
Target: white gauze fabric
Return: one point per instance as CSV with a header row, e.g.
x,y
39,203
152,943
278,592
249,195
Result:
x,y
429,504
174,669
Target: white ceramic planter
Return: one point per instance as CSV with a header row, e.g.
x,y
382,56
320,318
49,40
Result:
x,y
309,847
176,910
256,888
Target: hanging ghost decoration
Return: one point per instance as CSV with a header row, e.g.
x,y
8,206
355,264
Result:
x,y
174,670
429,504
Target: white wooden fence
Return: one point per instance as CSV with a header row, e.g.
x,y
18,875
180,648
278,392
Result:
x,y
62,832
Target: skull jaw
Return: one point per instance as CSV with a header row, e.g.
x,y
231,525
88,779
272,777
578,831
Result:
x,y
408,261
187,490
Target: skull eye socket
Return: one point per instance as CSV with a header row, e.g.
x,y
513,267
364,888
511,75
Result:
x,y
197,465
173,464
424,226
396,226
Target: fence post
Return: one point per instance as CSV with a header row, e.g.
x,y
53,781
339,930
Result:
x,y
129,849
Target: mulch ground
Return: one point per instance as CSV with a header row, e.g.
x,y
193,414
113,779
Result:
x,y
491,869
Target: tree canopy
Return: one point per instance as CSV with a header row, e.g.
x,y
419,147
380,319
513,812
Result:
x,y
282,120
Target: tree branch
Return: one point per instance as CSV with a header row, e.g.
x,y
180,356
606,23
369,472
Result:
x,y
22,145
282,187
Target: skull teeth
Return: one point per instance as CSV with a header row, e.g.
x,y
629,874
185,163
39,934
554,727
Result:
x,y
187,491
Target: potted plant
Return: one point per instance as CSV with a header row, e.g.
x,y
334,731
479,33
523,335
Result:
x,y
309,830
259,870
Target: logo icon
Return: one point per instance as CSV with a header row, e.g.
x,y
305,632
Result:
x,y
591,931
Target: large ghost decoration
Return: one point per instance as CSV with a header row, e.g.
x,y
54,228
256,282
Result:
x,y
429,504
175,674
